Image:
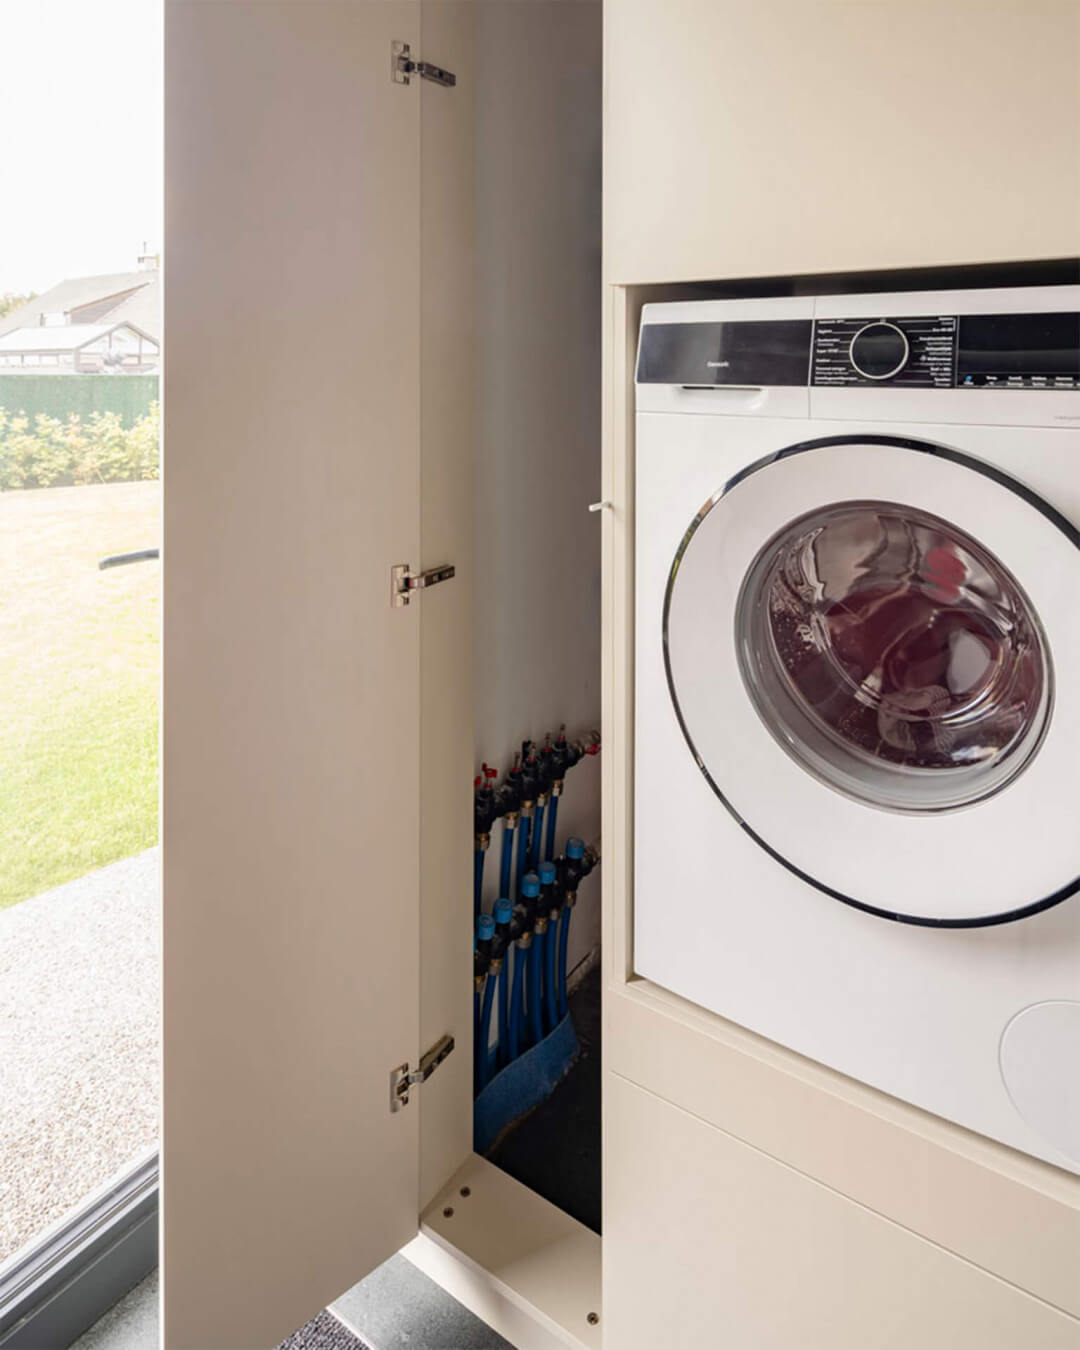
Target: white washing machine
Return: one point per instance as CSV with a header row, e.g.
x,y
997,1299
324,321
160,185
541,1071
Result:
x,y
857,757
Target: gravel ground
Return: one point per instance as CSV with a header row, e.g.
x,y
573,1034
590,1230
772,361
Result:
x,y
79,1041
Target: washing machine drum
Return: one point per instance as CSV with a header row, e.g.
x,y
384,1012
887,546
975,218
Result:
x,y
873,649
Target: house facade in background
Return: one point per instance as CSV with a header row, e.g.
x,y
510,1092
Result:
x,y
88,325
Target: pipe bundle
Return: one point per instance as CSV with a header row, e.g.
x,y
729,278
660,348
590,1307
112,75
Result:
x,y
520,950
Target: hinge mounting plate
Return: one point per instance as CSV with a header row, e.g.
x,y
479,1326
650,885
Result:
x,y
403,68
403,1078
403,582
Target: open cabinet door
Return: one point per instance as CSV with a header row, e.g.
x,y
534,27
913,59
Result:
x,y
291,689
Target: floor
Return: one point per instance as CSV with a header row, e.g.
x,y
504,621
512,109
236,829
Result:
x,y
79,1009
395,1308
555,1150
399,1308
131,1325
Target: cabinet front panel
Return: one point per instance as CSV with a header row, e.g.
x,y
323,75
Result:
x,y
784,137
710,1242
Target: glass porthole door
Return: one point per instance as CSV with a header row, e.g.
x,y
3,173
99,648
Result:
x,y
872,648
893,656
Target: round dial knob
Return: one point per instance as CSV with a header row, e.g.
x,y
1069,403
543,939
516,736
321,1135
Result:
x,y
879,350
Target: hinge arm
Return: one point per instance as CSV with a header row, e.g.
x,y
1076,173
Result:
x,y
403,1078
403,67
403,582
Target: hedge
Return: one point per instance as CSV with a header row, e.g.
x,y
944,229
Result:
x,y
62,395
46,451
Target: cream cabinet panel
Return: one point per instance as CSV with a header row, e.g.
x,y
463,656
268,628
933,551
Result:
x,y
291,686
797,136
708,1242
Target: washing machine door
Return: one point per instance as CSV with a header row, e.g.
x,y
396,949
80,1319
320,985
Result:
x,y
873,650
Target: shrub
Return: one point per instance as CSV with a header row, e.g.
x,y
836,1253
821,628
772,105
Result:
x,y
56,452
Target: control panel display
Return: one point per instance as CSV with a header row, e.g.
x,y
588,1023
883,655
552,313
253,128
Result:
x,y
915,353
1019,351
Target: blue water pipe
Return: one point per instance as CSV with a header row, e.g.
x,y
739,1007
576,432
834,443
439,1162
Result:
x,y
549,899
536,1020
537,833
564,945
503,913
552,817
571,872
521,948
506,860
485,932
530,899
523,829
485,1030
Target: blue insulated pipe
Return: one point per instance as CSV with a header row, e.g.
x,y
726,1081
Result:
x,y
549,913
520,949
552,816
506,861
503,913
530,901
485,931
551,1001
564,938
485,1032
536,1022
571,869
523,850
537,836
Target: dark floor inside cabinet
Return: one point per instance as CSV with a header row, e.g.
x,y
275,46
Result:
x,y
555,1150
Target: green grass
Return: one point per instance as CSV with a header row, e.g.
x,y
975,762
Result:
x,y
79,662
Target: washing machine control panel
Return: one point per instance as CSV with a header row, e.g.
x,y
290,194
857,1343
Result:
x,y
914,353
949,351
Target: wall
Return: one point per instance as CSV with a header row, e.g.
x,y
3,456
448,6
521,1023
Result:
x,y
61,395
538,167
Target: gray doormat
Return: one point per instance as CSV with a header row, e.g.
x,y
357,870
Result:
x,y
323,1332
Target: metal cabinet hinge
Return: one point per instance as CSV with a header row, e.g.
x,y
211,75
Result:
x,y
403,1078
403,582
403,67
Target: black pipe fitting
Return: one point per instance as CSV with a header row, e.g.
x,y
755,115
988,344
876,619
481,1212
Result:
x,y
499,944
485,807
570,867
508,793
485,934
530,774
546,767
519,922
568,753
550,890
530,897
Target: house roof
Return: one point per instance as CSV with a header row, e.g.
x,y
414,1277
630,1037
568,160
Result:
x,y
137,292
63,338
142,308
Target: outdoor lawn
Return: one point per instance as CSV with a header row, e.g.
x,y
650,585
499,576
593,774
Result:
x,y
79,662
